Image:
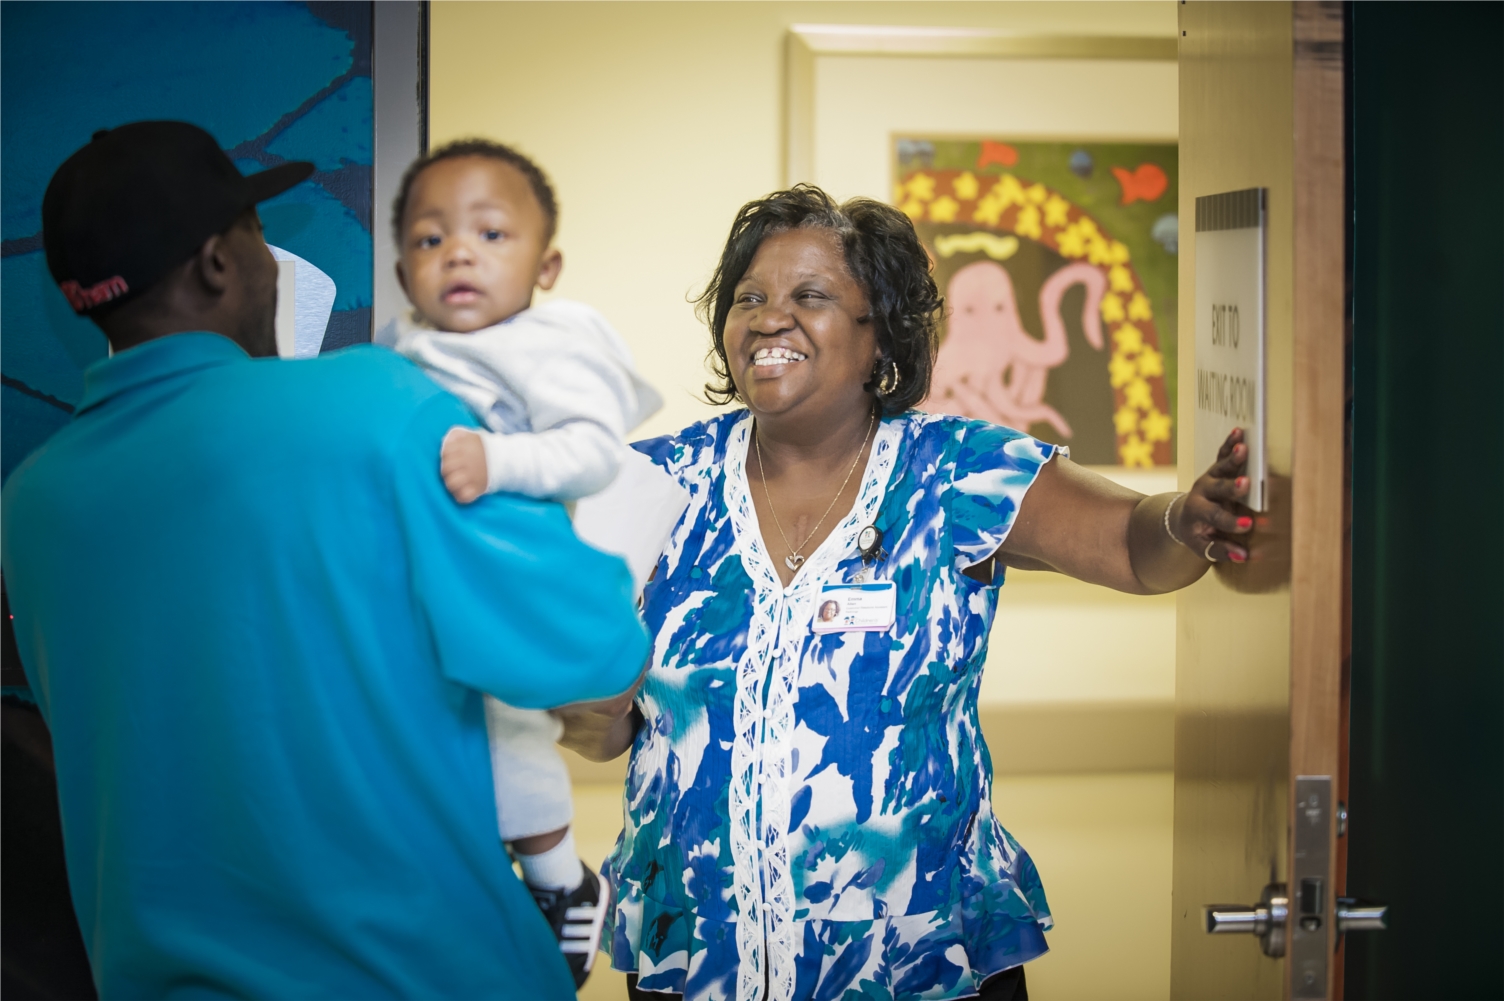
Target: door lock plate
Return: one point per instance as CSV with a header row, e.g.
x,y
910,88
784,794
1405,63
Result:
x,y
1310,877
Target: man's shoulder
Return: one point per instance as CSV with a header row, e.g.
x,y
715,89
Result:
x,y
372,383
373,368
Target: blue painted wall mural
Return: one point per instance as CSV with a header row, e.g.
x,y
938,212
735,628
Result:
x,y
271,81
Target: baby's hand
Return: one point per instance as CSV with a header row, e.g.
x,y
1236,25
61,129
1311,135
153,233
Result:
x,y
462,463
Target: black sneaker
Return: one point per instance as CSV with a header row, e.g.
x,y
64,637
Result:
x,y
576,918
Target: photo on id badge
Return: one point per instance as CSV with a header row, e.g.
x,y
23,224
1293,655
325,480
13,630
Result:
x,y
868,607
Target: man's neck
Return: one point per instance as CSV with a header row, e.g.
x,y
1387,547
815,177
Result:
x,y
124,336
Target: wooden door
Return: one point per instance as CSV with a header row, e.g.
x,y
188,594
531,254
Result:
x,y
1260,651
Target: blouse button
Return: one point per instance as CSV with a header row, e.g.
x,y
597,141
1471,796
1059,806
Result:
x,y
694,572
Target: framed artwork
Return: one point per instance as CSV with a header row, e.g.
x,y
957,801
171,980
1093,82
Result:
x,y
1057,260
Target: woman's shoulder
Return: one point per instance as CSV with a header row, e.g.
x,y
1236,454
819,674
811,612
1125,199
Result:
x,y
917,424
702,443
965,444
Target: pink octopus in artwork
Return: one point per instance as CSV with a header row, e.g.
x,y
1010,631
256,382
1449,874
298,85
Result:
x,y
990,367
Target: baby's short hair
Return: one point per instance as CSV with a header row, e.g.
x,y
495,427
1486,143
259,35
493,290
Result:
x,y
536,179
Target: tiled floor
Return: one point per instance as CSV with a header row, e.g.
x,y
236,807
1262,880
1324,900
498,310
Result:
x,y
1102,843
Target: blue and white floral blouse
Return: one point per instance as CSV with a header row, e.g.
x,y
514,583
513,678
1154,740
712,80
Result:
x,y
809,816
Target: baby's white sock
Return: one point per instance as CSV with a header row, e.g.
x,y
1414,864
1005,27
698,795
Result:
x,y
558,868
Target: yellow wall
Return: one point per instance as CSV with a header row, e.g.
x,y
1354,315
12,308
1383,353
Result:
x,y
657,121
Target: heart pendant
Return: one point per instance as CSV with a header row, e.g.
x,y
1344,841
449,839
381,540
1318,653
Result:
x,y
793,562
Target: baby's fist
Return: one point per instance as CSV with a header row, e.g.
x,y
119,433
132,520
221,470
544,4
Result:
x,y
462,463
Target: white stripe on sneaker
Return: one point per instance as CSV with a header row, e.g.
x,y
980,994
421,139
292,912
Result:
x,y
582,931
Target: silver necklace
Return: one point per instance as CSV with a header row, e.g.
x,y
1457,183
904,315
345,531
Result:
x,y
794,561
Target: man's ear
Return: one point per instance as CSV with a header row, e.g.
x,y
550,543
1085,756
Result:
x,y
549,268
212,264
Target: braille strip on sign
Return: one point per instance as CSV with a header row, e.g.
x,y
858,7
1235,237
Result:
x,y
1231,210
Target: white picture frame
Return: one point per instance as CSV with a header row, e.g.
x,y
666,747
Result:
x,y
851,90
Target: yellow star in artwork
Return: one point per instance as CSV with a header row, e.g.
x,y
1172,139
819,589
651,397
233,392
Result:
x,y
1088,226
1125,421
1112,308
1128,339
1098,250
1008,191
913,209
988,211
1118,252
1156,426
965,186
1138,307
1028,222
1136,452
1150,363
1056,211
943,209
1137,395
922,187
1121,371
1037,193
1070,242
1120,278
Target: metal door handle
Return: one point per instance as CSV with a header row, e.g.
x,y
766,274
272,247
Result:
x,y
1355,914
1266,919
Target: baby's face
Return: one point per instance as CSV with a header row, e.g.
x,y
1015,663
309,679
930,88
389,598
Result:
x,y
474,244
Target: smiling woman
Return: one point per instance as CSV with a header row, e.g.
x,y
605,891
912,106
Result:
x,y
808,804
882,257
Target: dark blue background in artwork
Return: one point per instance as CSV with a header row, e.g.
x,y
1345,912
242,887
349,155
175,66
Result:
x,y
272,81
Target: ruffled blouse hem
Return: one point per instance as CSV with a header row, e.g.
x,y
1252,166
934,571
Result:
x,y
991,934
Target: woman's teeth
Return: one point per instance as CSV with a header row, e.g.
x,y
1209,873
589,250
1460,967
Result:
x,y
775,356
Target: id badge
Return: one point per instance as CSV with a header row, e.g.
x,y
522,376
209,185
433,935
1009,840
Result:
x,y
864,608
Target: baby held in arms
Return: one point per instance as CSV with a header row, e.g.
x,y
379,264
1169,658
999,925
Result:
x,y
556,388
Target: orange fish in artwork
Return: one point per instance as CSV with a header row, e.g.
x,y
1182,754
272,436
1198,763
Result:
x,y
1000,153
1146,182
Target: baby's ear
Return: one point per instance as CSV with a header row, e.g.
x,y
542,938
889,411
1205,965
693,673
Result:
x,y
549,268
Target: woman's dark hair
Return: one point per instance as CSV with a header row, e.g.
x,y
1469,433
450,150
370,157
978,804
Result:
x,y
542,190
883,254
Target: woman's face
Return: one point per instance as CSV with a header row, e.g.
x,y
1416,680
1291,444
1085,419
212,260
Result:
x,y
799,337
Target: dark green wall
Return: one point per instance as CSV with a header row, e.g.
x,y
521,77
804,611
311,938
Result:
x,y
1427,776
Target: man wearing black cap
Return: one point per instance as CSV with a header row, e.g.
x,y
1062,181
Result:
x,y
258,626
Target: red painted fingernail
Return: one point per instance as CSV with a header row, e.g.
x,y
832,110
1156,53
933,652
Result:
x,y
1245,523
1235,556
1241,482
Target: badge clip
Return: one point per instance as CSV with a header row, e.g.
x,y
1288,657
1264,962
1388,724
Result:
x,y
870,542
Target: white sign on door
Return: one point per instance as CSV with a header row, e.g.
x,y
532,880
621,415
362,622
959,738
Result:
x,y
1230,329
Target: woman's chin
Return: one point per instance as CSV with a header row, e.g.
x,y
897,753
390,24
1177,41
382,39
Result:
x,y
772,399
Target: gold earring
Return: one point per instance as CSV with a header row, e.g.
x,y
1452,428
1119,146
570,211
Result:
x,y
890,379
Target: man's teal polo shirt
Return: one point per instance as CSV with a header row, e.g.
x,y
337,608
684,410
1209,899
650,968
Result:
x,y
259,627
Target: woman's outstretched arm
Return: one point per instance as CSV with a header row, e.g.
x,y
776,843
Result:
x,y
1082,524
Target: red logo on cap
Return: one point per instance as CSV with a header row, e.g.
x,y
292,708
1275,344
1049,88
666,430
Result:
x,y
81,298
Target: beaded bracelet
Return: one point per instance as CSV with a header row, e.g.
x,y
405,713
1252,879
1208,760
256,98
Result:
x,y
1168,531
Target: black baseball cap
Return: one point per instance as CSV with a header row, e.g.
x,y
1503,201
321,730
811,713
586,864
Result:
x,y
139,200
